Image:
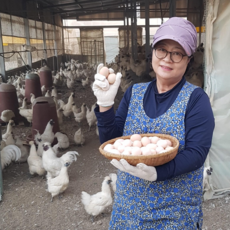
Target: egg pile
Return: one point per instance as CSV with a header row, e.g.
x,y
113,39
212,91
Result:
x,y
111,77
138,145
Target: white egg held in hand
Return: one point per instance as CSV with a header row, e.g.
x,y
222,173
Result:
x,y
111,78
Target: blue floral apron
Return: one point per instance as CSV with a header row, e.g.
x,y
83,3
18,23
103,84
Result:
x,y
171,204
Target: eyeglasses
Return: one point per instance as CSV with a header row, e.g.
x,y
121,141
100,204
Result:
x,y
174,56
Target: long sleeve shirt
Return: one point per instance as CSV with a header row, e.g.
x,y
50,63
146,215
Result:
x,y
199,125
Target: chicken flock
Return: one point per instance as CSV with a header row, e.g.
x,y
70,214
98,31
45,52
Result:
x,y
47,155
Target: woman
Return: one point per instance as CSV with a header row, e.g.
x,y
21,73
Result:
x,y
167,196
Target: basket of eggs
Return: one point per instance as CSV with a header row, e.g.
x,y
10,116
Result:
x,y
152,149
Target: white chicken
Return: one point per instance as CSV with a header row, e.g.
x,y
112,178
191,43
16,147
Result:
x,y
8,154
90,116
59,184
52,163
113,177
35,161
8,136
43,89
54,92
7,115
48,134
32,98
85,82
96,204
206,174
24,104
63,140
60,116
75,109
48,93
79,137
79,117
27,113
68,106
24,149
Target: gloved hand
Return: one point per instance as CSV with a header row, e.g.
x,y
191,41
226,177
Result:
x,y
104,92
140,170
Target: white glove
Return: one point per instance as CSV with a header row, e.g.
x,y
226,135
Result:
x,y
104,92
140,170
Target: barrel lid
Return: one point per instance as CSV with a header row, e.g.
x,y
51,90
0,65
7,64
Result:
x,y
45,68
7,88
32,76
48,100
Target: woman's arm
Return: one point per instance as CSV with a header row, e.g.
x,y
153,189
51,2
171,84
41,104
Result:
x,y
111,125
199,126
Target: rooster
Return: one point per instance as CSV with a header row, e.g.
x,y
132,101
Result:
x,y
8,154
52,163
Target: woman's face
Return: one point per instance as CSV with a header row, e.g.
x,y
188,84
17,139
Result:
x,y
165,68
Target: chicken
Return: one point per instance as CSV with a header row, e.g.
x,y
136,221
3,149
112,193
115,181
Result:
x,y
59,184
68,106
52,163
79,137
48,93
90,116
75,109
43,89
96,204
60,116
63,140
7,115
48,134
3,144
24,104
8,154
35,161
79,117
27,113
85,82
113,177
54,92
32,98
8,136
207,172
24,150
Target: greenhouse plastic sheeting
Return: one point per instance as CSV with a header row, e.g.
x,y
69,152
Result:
x,y
218,79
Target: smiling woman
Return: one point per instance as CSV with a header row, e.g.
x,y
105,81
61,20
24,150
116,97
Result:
x,y
168,196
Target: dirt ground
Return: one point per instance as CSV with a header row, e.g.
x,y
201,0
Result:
x,y
27,205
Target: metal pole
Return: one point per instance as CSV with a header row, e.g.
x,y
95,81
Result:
x,y
1,180
2,60
44,39
172,8
135,29
27,33
147,43
55,45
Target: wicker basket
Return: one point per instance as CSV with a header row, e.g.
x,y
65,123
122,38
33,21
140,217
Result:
x,y
150,160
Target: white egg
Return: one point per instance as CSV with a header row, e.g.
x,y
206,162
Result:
x,y
151,146
159,149
108,147
145,141
153,151
162,143
104,71
169,142
116,144
136,151
137,144
121,148
126,153
154,139
127,142
135,137
115,151
120,140
129,149
168,148
145,151
111,78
